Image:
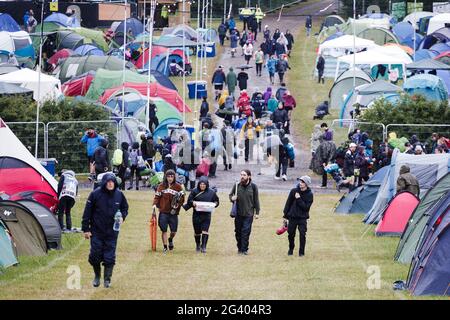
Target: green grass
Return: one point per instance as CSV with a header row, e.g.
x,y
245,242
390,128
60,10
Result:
x,y
335,265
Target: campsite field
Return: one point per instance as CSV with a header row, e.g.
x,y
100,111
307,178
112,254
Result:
x,y
339,263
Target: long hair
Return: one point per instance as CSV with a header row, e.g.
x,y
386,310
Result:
x,y
168,173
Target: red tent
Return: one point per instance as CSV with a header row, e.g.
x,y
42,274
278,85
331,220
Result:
x,y
158,50
156,90
61,54
78,86
396,215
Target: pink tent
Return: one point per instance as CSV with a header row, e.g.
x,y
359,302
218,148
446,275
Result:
x,y
156,90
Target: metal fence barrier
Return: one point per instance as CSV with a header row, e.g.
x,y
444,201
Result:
x,y
26,132
343,127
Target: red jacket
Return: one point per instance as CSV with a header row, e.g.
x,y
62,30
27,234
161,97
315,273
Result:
x,y
289,101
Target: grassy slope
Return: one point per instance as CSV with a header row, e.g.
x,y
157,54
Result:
x,y
334,268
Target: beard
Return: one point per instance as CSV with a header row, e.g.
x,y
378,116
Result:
x,y
244,181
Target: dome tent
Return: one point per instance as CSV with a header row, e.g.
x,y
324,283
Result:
x,y
430,86
380,36
344,83
63,20
331,21
7,23
88,49
441,35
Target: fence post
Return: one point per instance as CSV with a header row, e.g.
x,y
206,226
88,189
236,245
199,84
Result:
x,y
45,140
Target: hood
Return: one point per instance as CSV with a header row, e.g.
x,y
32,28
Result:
x,y
369,143
135,145
244,94
69,173
108,176
125,145
104,143
269,89
203,179
404,169
306,180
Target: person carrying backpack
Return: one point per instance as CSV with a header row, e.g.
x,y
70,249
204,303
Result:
x,y
121,160
282,67
135,157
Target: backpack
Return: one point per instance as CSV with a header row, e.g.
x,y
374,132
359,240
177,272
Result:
x,y
134,155
117,158
290,151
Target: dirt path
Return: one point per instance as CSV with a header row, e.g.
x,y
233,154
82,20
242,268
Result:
x,y
263,173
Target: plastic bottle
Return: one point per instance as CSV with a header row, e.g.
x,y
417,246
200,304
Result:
x,y
117,221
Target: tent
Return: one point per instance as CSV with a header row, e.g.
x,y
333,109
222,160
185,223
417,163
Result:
x,y
63,20
339,46
75,66
344,83
365,94
7,68
47,200
331,21
438,21
9,89
170,41
19,170
404,32
362,199
133,25
7,23
60,55
67,39
19,43
174,54
156,90
7,255
444,57
162,130
423,54
181,30
380,36
162,79
78,86
429,272
390,56
430,86
427,64
26,231
426,168
345,202
439,36
414,231
106,79
88,49
396,214
92,36
50,87
414,18
47,220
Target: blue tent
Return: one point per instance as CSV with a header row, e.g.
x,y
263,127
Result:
x,y
63,20
161,63
441,35
7,23
440,47
160,78
134,27
424,54
162,130
88,49
429,272
405,34
7,256
428,85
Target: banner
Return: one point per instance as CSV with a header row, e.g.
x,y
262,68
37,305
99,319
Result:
x,y
419,7
441,7
398,10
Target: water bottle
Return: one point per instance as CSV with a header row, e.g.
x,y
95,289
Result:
x,y
117,220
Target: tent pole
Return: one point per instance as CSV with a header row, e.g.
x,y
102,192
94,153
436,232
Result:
x,y
38,102
124,59
149,63
415,23
354,44
184,63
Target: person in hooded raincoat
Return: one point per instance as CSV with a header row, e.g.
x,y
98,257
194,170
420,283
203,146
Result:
x,y
231,81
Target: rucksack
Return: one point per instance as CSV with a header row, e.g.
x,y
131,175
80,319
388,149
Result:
x,y
134,154
117,158
290,151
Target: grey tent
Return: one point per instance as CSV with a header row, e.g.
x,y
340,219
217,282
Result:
x,y
414,230
7,68
344,83
346,201
378,87
7,255
9,89
69,40
26,231
426,168
380,36
170,41
361,199
430,268
47,220
427,64
332,20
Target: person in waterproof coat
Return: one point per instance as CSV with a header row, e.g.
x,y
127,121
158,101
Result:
x,y
231,81
124,165
280,115
67,193
407,182
92,140
101,158
362,165
97,224
248,207
296,213
169,198
201,220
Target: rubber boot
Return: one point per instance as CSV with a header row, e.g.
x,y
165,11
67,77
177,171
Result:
x,y
197,242
107,276
204,242
98,274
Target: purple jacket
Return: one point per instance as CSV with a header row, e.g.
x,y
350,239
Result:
x,y
267,95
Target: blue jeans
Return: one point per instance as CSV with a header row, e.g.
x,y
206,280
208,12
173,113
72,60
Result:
x,y
242,230
103,249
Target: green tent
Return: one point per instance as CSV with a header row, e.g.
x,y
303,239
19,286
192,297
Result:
x,y
92,35
48,27
413,233
75,66
105,79
7,256
164,111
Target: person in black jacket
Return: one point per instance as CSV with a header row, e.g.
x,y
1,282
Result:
x,y
280,117
101,158
124,165
201,220
153,119
320,69
296,212
97,224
